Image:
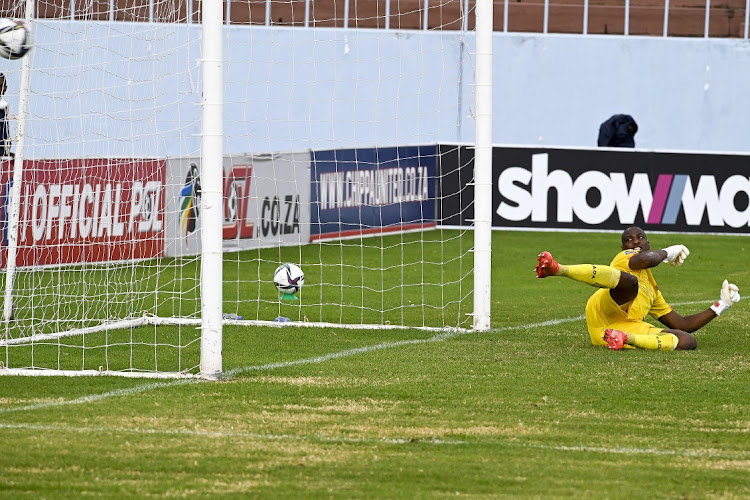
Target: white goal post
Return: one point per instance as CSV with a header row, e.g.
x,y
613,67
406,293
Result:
x,y
169,158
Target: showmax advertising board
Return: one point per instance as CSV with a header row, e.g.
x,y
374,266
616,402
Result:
x,y
540,188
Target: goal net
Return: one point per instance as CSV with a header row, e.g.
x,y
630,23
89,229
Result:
x,y
168,156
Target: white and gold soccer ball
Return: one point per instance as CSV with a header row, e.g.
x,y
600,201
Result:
x,y
15,38
288,278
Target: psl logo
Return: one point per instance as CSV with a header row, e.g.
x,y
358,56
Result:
x,y
5,204
236,196
190,200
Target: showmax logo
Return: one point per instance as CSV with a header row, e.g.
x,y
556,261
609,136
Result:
x,y
525,196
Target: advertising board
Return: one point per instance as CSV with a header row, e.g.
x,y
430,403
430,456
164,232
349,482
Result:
x,y
266,202
604,189
373,190
77,211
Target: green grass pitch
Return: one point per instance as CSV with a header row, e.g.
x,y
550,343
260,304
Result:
x,y
529,409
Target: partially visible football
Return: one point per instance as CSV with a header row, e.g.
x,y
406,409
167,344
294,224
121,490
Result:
x,y
15,38
288,278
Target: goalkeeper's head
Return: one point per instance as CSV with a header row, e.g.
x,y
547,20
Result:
x,y
634,238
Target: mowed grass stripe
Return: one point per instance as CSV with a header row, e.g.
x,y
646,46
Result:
x,y
271,366
285,364
706,453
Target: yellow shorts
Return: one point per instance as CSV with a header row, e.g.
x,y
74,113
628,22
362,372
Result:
x,y
603,312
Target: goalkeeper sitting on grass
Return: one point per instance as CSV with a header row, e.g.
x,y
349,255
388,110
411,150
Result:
x,y
615,314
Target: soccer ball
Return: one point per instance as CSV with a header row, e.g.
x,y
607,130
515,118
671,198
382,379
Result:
x,y
15,38
288,278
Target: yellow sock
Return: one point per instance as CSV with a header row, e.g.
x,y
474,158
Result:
x,y
598,276
655,342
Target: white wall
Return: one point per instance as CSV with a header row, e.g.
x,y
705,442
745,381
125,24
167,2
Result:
x,y
290,89
686,94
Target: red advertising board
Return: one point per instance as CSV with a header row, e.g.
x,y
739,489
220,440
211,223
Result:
x,y
84,211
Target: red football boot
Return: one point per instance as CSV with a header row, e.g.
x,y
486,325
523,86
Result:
x,y
615,339
548,266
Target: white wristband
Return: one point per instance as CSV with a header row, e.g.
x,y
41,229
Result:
x,y
720,306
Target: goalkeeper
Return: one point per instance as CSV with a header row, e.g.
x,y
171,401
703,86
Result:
x,y
615,314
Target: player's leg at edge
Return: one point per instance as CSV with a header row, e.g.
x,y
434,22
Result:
x,y
593,275
667,340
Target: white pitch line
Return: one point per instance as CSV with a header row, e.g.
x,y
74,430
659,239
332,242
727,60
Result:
x,y
98,397
272,366
233,434
387,345
375,440
283,364
642,451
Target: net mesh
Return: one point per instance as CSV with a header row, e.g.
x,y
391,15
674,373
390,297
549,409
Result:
x,y
331,161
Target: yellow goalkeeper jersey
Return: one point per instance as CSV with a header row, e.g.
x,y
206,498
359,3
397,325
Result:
x,y
649,301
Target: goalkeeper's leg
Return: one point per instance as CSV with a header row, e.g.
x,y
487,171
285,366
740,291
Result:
x,y
623,286
666,340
